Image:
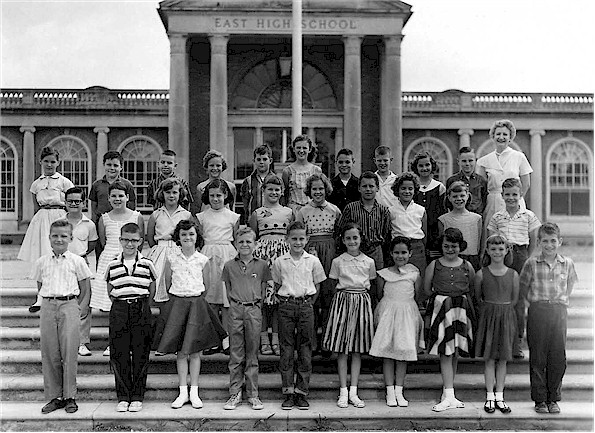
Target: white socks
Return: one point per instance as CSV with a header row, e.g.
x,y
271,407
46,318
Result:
x,y
490,396
194,398
399,396
390,396
499,396
182,398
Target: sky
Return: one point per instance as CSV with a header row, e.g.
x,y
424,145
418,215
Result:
x,y
470,45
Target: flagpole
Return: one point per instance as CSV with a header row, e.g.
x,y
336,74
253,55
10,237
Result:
x,y
296,68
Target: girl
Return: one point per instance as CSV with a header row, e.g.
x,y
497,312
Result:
x,y
449,315
49,205
497,289
303,151
320,218
469,223
192,325
270,222
215,164
399,330
108,231
431,197
350,328
217,225
409,219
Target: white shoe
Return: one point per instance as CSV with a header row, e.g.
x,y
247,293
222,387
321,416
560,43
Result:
x,y
356,401
448,404
180,401
196,401
122,406
256,403
233,401
342,401
84,350
135,406
106,352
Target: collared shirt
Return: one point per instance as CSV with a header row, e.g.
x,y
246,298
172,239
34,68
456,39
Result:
x,y
100,193
153,186
385,194
297,277
407,221
375,223
244,281
128,283
187,273
319,220
49,190
252,193
353,272
343,194
83,232
59,275
478,188
510,163
540,281
516,228
165,223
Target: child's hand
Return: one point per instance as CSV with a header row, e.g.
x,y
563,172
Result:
x,y
269,298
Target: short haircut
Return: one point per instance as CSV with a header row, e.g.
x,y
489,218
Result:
x,y
368,175
454,236
112,154
506,124
382,150
295,225
169,152
76,190
263,149
272,179
511,182
131,228
403,177
187,225
61,223
345,151
466,149
117,185
313,149
215,184
328,188
457,186
214,154
167,185
48,151
400,240
245,231
421,155
548,228
497,239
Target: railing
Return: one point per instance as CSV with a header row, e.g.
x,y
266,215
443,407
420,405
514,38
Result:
x,y
157,100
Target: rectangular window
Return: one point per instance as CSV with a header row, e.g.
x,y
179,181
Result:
x,y
243,139
7,188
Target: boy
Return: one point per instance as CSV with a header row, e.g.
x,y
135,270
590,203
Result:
x,y
476,183
345,184
130,285
297,276
547,281
62,277
386,178
246,278
251,189
167,166
519,226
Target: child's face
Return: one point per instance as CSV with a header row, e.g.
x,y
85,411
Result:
x,y
497,252
458,199
272,193
217,198
215,167
467,163
511,197
297,240
167,165
172,197
301,150
318,192
352,241
368,189
74,202
406,191
345,164
130,243
245,244
501,135
400,255
188,238
424,167
549,244
382,162
118,198
450,250
112,167
60,237
262,162
49,164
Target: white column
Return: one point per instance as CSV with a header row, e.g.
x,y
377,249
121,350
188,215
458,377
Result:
x,y
28,170
296,68
339,142
178,124
391,133
312,134
465,137
536,189
218,99
101,132
258,137
352,110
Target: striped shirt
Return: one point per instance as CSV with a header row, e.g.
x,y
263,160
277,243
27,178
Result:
x,y
130,284
375,224
516,228
59,275
540,281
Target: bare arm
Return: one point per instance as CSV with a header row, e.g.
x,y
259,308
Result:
x,y
141,223
477,284
101,233
253,223
417,286
151,231
317,293
35,204
440,228
167,275
285,177
90,248
525,183
85,288
109,291
515,289
428,279
532,241
424,227
380,287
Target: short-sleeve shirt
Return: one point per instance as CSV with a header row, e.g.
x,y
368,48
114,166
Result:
x,y
407,221
49,190
244,280
478,189
319,220
541,282
273,220
83,232
100,194
375,223
510,164
298,277
153,186
165,223
130,283
59,275
353,272
385,195
217,225
516,228
186,273
470,225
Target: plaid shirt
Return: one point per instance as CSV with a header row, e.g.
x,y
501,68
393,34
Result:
x,y
541,282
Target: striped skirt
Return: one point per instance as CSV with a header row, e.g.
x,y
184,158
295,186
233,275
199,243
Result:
x,y
351,323
448,325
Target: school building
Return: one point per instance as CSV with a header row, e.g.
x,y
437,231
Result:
x,y
230,89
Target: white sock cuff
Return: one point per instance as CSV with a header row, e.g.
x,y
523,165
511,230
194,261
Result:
x,y
490,396
499,396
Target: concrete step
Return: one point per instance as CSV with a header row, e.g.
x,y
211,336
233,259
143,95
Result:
x,y
322,416
214,387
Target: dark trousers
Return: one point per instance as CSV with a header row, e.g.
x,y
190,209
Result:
x,y
546,335
244,340
296,327
130,335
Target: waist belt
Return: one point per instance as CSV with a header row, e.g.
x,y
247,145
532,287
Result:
x,y
247,304
295,298
52,206
60,298
132,300
548,302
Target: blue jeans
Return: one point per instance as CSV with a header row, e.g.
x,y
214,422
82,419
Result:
x,y
296,328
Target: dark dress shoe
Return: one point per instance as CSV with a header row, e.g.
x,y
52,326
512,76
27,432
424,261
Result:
x,y
288,402
301,402
34,308
53,405
71,406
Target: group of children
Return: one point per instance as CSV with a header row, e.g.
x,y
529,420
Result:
x,y
340,266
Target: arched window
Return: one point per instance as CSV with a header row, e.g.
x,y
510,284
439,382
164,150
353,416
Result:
x,y
75,162
568,163
141,158
8,178
439,152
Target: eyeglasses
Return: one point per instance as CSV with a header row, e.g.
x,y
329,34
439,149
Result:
x,y
74,202
133,241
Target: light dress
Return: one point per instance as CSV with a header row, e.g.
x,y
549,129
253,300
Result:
x,y
99,297
399,329
164,230
49,191
297,185
217,232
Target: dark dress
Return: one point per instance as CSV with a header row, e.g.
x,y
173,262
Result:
x,y
432,199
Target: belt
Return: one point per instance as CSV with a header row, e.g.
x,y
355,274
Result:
x,y
295,298
548,302
131,300
60,298
248,304
52,206
497,303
